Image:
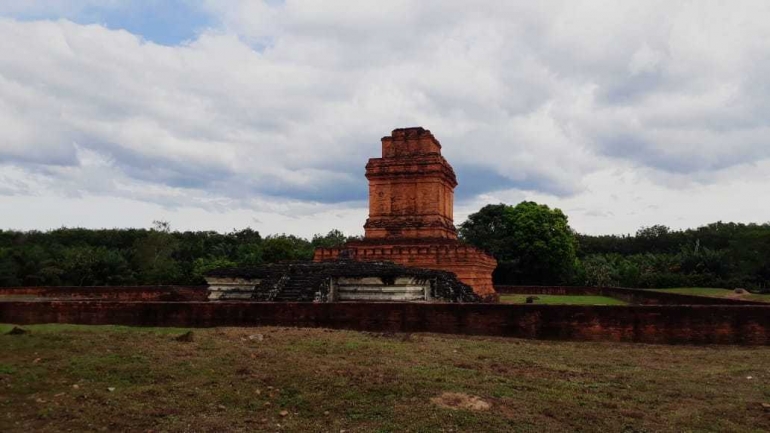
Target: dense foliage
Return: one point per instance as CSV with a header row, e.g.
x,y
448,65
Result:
x,y
82,257
715,255
533,244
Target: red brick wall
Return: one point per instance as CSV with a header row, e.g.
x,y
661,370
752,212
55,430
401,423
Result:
x,y
700,324
471,265
118,293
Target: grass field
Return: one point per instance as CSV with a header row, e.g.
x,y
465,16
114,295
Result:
x,y
76,378
556,299
716,293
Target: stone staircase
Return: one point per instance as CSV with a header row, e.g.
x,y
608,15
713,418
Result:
x,y
298,288
269,288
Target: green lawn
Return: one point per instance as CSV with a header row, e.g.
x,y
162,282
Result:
x,y
556,299
107,378
716,293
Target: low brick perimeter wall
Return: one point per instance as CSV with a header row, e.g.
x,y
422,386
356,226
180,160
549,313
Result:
x,y
701,324
117,293
631,296
200,293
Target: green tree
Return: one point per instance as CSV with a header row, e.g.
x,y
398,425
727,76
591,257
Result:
x,y
281,248
203,265
491,229
154,255
334,238
94,266
37,266
9,270
532,243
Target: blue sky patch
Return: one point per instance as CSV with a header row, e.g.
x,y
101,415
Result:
x,y
166,22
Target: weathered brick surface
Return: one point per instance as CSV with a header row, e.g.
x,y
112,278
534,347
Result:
x,y
411,189
411,213
118,293
472,266
632,296
698,324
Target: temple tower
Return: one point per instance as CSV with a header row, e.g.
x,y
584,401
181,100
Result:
x,y
411,188
411,213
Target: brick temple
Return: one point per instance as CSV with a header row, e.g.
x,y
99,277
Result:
x,y
411,213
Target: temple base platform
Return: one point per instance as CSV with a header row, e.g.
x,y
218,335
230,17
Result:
x,y
471,265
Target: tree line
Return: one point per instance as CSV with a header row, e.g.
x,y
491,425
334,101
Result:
x,y
533,244
83,257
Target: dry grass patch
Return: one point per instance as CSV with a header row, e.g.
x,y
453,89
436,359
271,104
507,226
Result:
x,y
717,293
58,378
459,400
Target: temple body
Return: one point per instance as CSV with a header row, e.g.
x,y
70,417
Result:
x,y
411,206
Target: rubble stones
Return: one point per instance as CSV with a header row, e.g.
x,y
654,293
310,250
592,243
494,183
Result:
x,y
187,337
17,331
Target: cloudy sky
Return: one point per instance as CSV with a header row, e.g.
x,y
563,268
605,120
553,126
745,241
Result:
x,y
227,114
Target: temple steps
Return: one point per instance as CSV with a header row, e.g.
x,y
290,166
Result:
x,y
299,288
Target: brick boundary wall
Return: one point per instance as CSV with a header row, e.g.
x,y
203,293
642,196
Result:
x,y
631,296
698,324
117,293
200,293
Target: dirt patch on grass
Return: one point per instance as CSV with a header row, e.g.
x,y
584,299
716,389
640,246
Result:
x,y
458,400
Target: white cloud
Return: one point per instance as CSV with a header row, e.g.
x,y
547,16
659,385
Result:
x,y
279,106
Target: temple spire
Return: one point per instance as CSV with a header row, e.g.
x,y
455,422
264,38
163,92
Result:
x,y
411,188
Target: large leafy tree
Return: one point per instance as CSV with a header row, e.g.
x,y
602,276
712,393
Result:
x,y
532,242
